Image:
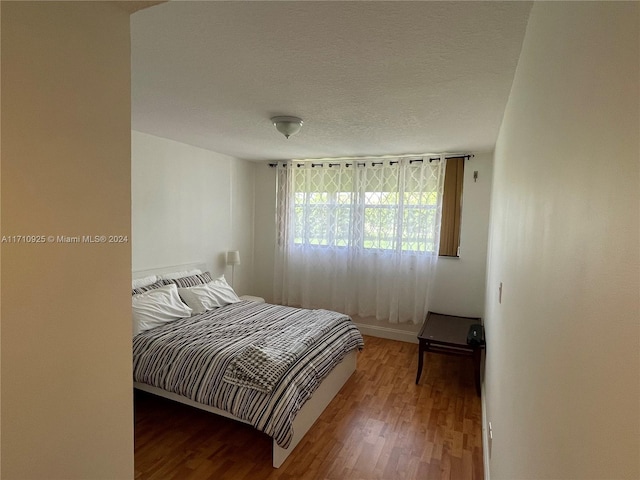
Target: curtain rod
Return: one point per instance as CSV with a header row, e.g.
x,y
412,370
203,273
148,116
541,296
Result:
x,y
315,163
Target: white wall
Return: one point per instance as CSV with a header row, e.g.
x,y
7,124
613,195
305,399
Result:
x,y
242,223
459,283
562,371
190,205
265,230
459,286
67,405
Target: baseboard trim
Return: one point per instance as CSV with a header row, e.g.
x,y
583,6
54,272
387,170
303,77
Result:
x,y
485,435
389,333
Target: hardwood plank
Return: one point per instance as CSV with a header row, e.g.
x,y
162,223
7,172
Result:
x,y
380,426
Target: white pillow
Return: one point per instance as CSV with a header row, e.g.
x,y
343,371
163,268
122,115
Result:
x,y
208,296
157,307
185,273
143,282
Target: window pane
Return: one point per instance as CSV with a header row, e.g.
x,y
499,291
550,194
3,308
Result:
x,y
344,203
365,208
380,226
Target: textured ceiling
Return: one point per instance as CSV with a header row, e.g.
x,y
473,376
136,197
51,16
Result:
x,y
368,78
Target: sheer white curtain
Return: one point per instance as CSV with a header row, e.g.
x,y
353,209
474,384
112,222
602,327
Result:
x,y
359,236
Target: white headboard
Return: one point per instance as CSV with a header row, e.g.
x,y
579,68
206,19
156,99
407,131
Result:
x,y
165,270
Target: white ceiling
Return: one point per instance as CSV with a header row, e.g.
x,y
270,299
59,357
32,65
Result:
x,y
368,78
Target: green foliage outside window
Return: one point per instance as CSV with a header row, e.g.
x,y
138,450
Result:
x,y
340,219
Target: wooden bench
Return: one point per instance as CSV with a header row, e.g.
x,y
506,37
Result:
x,y
447,334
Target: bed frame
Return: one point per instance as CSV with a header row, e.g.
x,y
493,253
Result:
x,y
308,414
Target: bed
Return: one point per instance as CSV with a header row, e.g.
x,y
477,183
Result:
x,y
271,366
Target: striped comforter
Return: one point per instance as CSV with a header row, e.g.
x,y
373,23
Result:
x,y
190,357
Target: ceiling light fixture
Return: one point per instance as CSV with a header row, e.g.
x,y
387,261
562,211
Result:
x,y
287,125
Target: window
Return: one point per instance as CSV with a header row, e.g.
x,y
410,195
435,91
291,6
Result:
x,y
386,206
389,210
363,236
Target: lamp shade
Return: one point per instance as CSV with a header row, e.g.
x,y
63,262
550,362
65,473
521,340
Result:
x,y
287,125
233,257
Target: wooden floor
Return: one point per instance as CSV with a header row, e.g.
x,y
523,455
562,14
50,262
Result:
x,y
380,426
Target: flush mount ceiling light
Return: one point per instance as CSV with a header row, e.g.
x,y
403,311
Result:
x,y
287,125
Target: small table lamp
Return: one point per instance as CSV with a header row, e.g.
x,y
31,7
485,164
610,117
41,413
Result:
x,y
233,259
